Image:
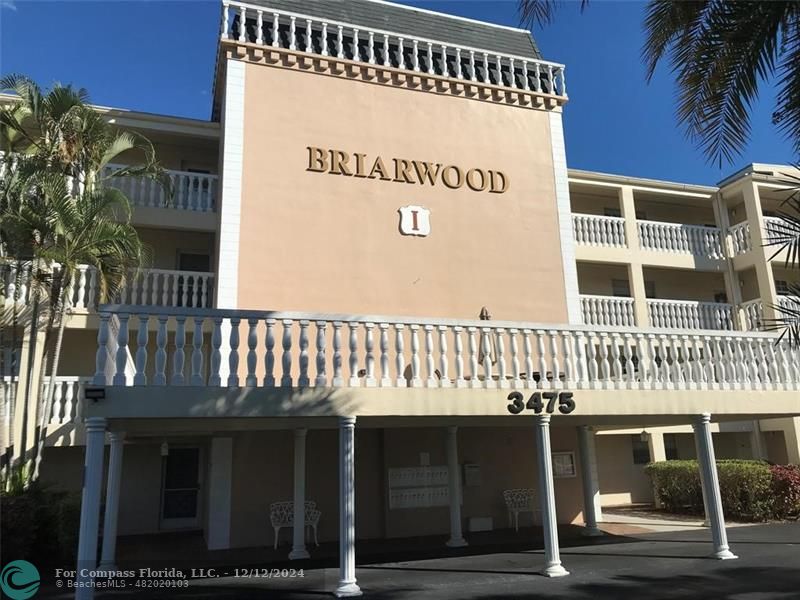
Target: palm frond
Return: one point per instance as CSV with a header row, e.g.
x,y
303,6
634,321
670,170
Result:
x,y
719,52
788,321
787,113
540,12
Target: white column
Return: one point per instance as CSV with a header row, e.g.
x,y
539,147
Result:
x,y
107,556
706,521
90,505
347,510
708,472
547,497
591,486
299,527
218,531
454,483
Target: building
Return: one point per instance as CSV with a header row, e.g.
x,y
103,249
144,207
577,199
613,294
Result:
x,y
379,288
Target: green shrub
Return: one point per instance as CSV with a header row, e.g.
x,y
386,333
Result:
x,y
39,525
677,485
746,489
746,486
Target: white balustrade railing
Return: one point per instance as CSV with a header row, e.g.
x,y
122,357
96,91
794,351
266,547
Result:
x,y
753,314
282,349
597,230
789,304
679,238
191,191
611,311
740,238
148,287
754,311
689,314
163,287
328,38
66,399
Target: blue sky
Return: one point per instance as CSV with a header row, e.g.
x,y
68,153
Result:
x,y
158,56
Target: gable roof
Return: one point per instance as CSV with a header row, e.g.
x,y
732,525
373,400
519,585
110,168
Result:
x,y
414,22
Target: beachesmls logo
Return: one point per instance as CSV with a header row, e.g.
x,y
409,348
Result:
x,y
19,580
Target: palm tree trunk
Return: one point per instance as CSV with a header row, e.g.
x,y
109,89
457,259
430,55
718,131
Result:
x,y
63,305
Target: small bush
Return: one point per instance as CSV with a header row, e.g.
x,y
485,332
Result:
x,y
786,490
39,525
751,490
745,486
677,485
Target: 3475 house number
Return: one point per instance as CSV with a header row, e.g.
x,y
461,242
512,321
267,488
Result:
x,y
540,402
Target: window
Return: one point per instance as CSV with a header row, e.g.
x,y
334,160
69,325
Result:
x,y
641,450
563,464
782,287
649,289
620,287
671,446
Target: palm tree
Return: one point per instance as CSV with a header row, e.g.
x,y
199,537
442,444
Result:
x,y
719,52
57,207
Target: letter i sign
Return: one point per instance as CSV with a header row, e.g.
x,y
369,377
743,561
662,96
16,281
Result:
x,y
415,220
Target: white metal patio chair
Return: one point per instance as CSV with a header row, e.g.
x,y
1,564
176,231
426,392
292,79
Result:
x,y
281,514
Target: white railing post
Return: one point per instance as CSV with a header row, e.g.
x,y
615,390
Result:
x,y
252,358
286,355
321,380
303,379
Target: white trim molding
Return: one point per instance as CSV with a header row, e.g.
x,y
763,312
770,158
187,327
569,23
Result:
x,y
565,218
231,197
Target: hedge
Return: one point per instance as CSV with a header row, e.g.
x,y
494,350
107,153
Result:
x,y
40,525
751,490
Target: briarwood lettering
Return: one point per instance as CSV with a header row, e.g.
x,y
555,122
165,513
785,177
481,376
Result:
x,y
401,170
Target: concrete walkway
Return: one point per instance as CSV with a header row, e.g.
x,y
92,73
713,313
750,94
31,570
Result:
x,y
626,520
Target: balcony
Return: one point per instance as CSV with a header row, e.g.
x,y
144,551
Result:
x,y
654,236
380,49
696,240
594,230
613,311
312,350
742,240
688,314
148,287
754,311
192,191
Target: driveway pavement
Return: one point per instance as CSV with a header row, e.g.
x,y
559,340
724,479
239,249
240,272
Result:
x,y
658,565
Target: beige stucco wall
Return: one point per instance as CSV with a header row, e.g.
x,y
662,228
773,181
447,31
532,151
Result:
x,y
165,245
62,468
78,353
316,241
595,278
263,473
593,204
680,284
671,212
621,481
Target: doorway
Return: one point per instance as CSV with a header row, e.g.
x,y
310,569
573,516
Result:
x,y
180,489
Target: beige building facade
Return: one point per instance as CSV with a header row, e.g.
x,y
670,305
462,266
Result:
x,y
379,288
